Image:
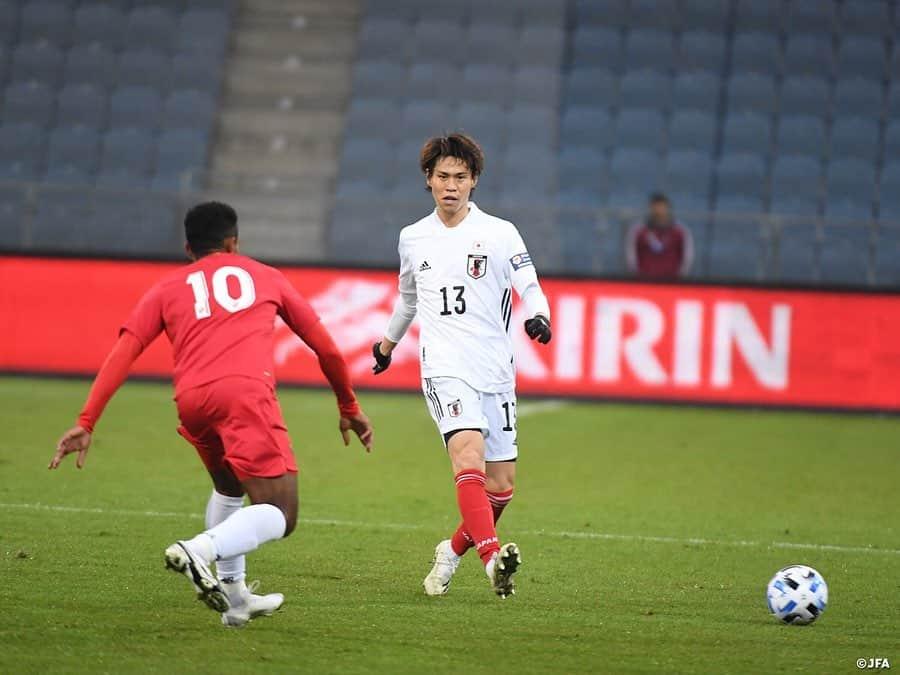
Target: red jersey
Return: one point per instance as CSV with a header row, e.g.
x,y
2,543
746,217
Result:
x,y
660,252
219,314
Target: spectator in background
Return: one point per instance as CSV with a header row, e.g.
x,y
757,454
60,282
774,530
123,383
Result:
x,y
660,247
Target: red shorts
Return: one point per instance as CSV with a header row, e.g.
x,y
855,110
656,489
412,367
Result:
x,y
236,423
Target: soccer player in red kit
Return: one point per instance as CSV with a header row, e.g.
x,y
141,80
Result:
x,y
219,314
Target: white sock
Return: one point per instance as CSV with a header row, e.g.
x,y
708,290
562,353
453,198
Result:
x,y
218,509
489,568
245,530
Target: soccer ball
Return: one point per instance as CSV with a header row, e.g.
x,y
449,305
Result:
x,y
797,595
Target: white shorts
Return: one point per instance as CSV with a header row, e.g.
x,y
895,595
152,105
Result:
x,y
454,405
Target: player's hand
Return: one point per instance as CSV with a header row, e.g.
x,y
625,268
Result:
x,y
75,439
539,327
382,361
361,426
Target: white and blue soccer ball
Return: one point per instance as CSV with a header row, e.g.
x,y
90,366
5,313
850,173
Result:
x,y
797,595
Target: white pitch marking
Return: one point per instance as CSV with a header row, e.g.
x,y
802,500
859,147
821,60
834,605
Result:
x,y
647,539
528,408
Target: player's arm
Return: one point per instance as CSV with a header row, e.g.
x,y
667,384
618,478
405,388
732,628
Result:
x,y
525,281
402,316
303,320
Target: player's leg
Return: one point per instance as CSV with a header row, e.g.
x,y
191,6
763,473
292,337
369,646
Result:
x,y
499,484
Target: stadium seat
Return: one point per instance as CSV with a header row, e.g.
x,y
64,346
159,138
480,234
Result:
x,y
83,104
407,10
852,179
491,44
796,178
633,172
845,254
812,16
601,12
701,50
805,95
861,57
360,155
422,119
704,14
41,61
203,30
180,158
135,107
649,48
696,91
801,135
144,67
597,46
866,17
386,39
640,128
755,52
889,194
855,137
98,22
532,123
760,15
59,224
540,45
808,55
12,214
741,175
427,81
586,126
543,12
746,132
195,71
646,89
487,82
31,102
858,97
189,109
654,14
379,79
73,154
688,172
9,21
126,157
482,120
45,20
583,174
892,139
887,255
592,85
525,87
21,151
692,130
155,230
797,252
894,94
528,174
152,26
736,250
751,92
372,118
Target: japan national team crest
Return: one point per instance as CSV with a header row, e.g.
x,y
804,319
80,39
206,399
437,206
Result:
x,y
454,408
477,266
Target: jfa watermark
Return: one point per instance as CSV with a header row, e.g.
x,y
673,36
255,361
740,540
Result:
x,y
873,663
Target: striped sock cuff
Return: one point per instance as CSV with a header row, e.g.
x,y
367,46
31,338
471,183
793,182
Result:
x,y
500,498
470,475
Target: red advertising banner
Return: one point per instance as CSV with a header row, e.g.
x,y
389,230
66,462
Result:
x,y
611,339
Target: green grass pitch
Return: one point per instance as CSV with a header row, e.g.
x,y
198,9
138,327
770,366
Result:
x,y
648,535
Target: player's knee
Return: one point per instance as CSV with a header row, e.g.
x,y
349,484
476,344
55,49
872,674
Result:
x,y
499,483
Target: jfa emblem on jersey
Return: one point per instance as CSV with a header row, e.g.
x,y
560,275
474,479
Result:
x,y
477,265
455,408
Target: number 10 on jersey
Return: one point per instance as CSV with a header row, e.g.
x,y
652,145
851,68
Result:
x,y
246,297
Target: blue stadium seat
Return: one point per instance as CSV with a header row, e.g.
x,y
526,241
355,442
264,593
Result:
x,y
155,231
41,61
203,30
392,9
491,44
696,91
386,39
746,132
741,176
801,135
887,255
379,79
540,45
812,16
649,48
90,63
597,46
654,14
543,12
861,57
688,172
12,214
532,123
797,252
640,128
189,109
866,17
487,82
796,178
736,249
73,154
586,126
592,85
45,20
701,50
692,130
808,55
751,92
135,107
372,118
601,12
83,104
422,119
59,223
805,95
126,157
144,67
845,257
755,52
646,89
633,172
583,174
528,174
180,158
28,102
195,71
704,14
21,151
892,139
525,89
889,194
894,93
760,15
851,179
483,120
359,156
9,21
858,97
150,27
99,22
844,209
855,137
427,82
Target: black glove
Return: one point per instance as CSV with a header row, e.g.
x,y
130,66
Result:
x,y
382,362
539,327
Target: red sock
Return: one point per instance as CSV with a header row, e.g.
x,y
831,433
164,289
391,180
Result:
x,y
461,542
476,512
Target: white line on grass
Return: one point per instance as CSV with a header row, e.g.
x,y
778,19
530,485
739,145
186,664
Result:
x,y
528,408
647,539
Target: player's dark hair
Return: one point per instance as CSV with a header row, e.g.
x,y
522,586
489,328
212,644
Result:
x,y
457,145
659,198
208,225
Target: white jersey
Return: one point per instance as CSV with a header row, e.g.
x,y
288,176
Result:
x,y
459,281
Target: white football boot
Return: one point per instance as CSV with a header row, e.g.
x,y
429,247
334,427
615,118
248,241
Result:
x,y
502,568
445,562
180,558
246,606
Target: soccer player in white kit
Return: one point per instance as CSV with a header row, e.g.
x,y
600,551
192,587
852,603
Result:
x,y
458,266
